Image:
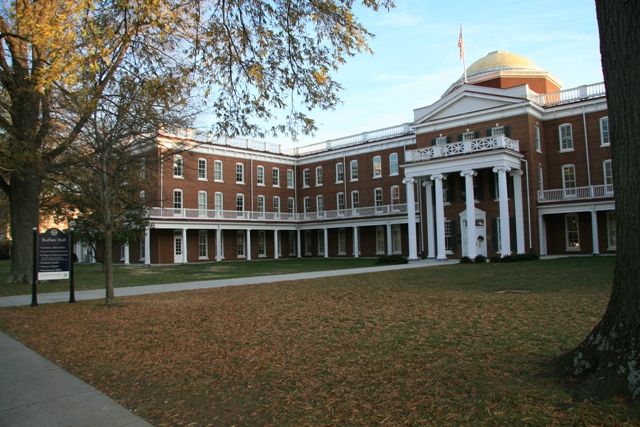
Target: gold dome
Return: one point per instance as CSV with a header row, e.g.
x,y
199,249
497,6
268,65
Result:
x,y
501,60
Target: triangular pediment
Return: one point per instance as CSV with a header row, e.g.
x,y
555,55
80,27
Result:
x,y
466,100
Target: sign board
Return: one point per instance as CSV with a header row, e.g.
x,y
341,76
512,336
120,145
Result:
x,y
53,255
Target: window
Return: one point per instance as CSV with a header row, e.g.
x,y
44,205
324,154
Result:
x,y
377,197
572,232
217,200
448,235
293,241
566,137
177,199
468,136
307,204
497,131
355,199
275,177
203,245
540,179
380,247
239,202
537,139
290,205
320,204
340,201
319,178
339,172
178,167
308,243
377,166
142,248
276,204
217,171
240,253
261,203
396,241
202,203
446,190
342,241
306,178
290,183
177,243
262,244
440,140
393,164
395,197
569,180
260,175
202,169
320,242
239,173
611,231
604,132
607,173
142,195
353,166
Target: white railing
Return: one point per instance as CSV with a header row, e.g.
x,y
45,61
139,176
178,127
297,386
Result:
x,y
359,138
216,215
570,95
576,193
462,147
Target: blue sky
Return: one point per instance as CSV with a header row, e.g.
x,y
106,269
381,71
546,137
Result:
x,y
416,55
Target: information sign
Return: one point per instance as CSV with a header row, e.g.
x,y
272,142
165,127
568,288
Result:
x,y
53,255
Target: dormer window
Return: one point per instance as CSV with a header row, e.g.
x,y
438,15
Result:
x,y
468,136
497,131
441,140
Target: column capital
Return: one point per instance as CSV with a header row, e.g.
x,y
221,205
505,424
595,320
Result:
x,y
408,180
437,177
469,172
502,169
516,172
427,183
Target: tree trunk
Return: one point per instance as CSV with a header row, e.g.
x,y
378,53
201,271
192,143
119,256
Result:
x,y
607,362
24,199
108,266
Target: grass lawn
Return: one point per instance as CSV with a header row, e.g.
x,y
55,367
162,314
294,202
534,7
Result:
x,y
448,345
90,276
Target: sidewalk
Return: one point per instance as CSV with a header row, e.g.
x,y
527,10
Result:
x,y
36,392
95,294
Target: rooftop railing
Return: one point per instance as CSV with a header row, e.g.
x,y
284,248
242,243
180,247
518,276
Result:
x,y
575,193
462,147
570,95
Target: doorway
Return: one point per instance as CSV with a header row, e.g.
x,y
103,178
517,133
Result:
x,y
481,232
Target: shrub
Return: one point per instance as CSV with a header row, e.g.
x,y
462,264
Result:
x,y
495,258
465,260
480,259
391,259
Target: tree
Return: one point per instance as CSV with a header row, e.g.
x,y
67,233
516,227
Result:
x,y
251,58
607,362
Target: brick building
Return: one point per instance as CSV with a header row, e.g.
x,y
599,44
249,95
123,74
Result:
x,y
527,163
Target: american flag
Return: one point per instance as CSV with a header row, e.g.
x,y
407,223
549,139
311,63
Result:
x,y
461,44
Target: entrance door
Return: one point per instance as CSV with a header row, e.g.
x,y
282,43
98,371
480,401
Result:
x,y
481,232
177,247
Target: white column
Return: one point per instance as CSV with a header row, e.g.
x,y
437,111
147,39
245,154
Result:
x,y
505,238
431,241
298,246
542,232
594,232
389,240
356,246
519,214
471,212
219,244
325,231
126,253
248,243
147,246
411,218
184,246
275,244
440,244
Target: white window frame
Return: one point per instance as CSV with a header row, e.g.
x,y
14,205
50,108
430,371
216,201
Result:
x,y
449,235
178,167
291,205
394,168
306,204
321,242
202,203
276,204
396,239
262,244
203,245
178,202
342,241
202,169
441,140
239,202
241,251
607,176
339,173
537,138
497,130
605,135
260,175
355,199
378,197
380,240
275,177
218,174
468,135
306,178
341,203
569,186
320,203
240,173
566,141
376,164
260,202
572,242
611,231
540,177
218,201
395,196
353,170
319,176
290,179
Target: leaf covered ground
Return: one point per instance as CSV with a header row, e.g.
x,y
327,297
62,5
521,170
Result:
x,y
450,345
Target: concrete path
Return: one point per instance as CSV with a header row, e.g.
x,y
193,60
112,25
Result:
x,y
95,294
36,392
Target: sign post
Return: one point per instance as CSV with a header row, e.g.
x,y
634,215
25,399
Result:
x,y
34,279
72,285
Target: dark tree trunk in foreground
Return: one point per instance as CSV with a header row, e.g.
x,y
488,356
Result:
x,y
24,195
607,362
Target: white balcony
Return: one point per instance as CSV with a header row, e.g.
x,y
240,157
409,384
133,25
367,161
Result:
x,y
566,96
499,142
222,215
576,193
